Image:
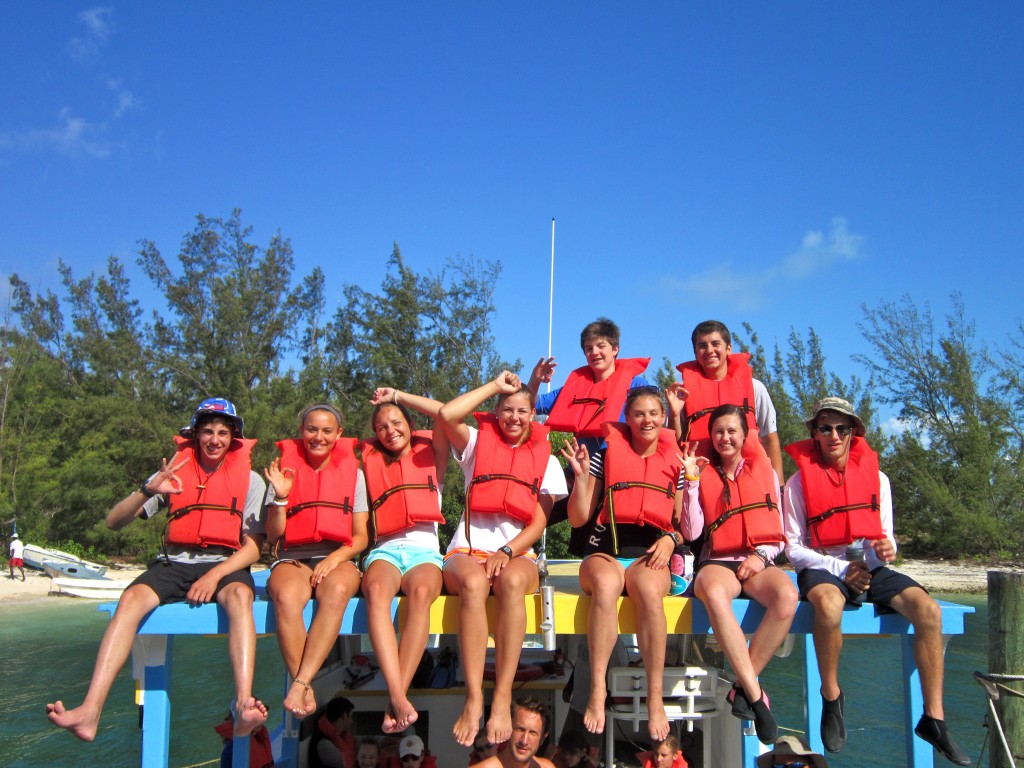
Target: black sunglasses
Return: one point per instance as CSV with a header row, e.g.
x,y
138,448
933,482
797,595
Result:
x,y
826,429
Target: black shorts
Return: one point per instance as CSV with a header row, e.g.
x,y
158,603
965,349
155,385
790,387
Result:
x,y
732,565
171,581
885,585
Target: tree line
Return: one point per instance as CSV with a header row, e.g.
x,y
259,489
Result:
x,y
92,384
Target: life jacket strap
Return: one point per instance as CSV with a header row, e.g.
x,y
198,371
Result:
x,y
728,515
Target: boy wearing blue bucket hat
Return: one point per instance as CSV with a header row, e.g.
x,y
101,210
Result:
x,y
214,533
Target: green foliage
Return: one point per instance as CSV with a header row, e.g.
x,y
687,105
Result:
x,y
91,389
955,471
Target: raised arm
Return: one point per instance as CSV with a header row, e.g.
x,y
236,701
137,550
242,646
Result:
x,y
586,491
428,407
165,481
542,372
676,395
454,413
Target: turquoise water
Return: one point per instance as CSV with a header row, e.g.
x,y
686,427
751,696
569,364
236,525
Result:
x,y
870,675
49,648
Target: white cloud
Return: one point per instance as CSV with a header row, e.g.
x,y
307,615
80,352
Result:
x,y
125,99
72,136
747,289
98,23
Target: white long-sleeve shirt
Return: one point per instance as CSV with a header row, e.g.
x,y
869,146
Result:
x,y
831,559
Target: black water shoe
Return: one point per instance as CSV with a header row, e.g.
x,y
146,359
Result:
x,y
935,733
764,721
833,723
740,704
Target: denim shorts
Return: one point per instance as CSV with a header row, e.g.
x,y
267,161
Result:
x,y
404,557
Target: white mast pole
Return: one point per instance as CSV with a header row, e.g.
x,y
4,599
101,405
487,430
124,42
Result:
x,y
551,292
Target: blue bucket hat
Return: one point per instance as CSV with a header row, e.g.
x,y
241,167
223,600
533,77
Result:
x,y
216,406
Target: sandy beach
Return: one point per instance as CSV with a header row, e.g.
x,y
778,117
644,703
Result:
x,y
936,575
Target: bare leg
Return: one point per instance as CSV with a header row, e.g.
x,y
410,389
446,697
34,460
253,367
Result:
x,y
236,599
828,604
290,590
465,577
775,591
518,579
398,662
381,583
716,587
421,587
115,647
926,616
603,578
332,594
648,587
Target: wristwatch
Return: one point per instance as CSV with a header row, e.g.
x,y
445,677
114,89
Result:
x,y
764,556
676,538
507,550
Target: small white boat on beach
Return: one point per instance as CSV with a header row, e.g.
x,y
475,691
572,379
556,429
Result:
x,y
57,569
37,557
93,589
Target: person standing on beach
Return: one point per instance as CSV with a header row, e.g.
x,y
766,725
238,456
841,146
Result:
x,y
717,377
17,556
838,515
214,533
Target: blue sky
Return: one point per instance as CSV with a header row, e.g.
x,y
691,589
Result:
x,y
780,164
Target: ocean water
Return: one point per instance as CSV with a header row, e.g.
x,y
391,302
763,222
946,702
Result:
x,y
49,648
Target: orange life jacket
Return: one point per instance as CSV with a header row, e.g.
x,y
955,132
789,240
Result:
x,y
320,502
752,517
841,506
639,490
402,492
584,404
208,511
506,478
706,394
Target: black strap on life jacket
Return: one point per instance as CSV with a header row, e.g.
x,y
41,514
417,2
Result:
x,y
817,519
609,495
722,519
234,509
344,506
534,487
588,400
427,486
746,408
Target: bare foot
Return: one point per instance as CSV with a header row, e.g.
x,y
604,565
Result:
x,y
300,699
593,716
251,715
499,724
81,721
468,725
390,725
401,714
657,721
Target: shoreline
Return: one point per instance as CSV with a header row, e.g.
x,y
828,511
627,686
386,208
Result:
x,y
946,576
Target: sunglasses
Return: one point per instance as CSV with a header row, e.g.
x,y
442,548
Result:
x,y
826,429
791,764
411,758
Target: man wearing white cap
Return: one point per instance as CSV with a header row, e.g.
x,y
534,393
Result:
x,y
838,514
214,533
413,754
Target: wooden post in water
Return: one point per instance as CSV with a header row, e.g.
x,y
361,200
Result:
x,y
1006,657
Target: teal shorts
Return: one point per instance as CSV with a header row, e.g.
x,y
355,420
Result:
x,y
404,557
